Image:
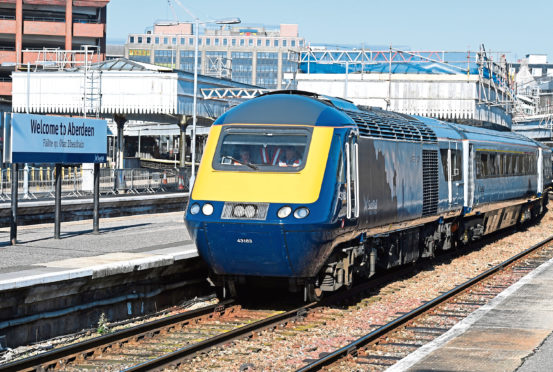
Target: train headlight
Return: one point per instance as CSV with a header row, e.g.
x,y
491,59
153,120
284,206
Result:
x,y
284,212
250,211
239,211
207,209
195,208
301,212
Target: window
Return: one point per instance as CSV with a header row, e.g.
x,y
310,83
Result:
x,y
148,40
241,42
190,41
250,42
267,42
225,42
293,43
157,40
233,42
140,39
131,39
182,41
174,41
139,55
262,149
165,40
207,41
276,42
187,60
284,43
456,164
242,65
258,42
495,164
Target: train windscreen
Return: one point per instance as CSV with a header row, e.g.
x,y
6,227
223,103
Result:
x,y
262,149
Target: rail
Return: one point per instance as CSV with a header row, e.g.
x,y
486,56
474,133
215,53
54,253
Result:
x,y
68,354
50,359
404,319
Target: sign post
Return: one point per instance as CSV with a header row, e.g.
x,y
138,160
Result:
x,y
13,217
60,140
96,211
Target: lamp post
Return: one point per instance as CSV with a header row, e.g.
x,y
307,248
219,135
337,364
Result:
x,y
197,22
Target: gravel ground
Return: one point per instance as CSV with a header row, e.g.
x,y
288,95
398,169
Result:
x,y
290,348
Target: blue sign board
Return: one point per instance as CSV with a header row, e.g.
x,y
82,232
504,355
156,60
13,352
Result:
x,y
57,139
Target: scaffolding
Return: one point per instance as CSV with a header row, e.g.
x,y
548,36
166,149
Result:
x,y
59,59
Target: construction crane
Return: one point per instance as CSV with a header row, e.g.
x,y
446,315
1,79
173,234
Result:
x,y
183,7
173,11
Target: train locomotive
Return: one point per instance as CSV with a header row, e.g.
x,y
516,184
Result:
x,y
311,191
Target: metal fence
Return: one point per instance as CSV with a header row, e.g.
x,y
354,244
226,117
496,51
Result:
x,y
34,183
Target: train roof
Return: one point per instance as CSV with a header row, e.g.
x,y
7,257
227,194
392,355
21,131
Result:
x,y
298,107
305,108
286,108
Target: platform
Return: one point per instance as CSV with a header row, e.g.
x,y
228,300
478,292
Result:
x,y
122,242
53,286
504,335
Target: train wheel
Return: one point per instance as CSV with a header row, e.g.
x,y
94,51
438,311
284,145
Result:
x,y
313,293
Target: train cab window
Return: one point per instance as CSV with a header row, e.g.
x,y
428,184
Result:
x,y
262,149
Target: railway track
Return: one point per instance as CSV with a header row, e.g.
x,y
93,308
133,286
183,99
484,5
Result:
x,y
170,341
173,341
156,344
392,342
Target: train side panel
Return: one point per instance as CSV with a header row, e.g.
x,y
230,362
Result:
x,y
390,181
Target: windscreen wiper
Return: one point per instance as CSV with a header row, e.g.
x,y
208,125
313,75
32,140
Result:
x,y
241,162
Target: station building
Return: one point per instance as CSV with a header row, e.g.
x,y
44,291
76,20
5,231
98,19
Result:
x,y
29,28
257,55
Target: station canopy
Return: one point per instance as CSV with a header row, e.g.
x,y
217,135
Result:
x,y
133,89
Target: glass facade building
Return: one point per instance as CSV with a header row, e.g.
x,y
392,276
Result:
x,y
257,55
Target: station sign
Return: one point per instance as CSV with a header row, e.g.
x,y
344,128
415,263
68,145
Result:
x,y
57,139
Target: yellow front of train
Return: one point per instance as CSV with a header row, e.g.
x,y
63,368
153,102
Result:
x,y
265,187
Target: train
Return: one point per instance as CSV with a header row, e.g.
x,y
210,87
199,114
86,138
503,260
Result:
x,y
313,192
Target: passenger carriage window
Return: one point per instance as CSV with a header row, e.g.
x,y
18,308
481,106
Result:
x,y
509,164
498,166
262,149
478,166
492,164
484,161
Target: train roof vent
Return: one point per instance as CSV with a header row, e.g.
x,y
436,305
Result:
x,y
386,124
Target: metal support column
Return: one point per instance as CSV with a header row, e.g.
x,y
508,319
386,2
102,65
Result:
x,y
182,141
96,211
120,120
57,215
13,216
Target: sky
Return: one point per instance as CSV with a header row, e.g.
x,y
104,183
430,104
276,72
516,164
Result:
x,y
507,26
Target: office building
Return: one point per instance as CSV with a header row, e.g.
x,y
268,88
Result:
x,y
257,55
27,27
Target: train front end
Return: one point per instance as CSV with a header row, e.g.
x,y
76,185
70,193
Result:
x,y
263,203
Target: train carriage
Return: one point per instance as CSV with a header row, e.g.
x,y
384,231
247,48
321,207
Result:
x,y
310,191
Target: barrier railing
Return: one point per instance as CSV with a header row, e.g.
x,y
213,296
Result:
x,y
41,182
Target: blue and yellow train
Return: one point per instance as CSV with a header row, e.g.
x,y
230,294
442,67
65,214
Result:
x,y
312,191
